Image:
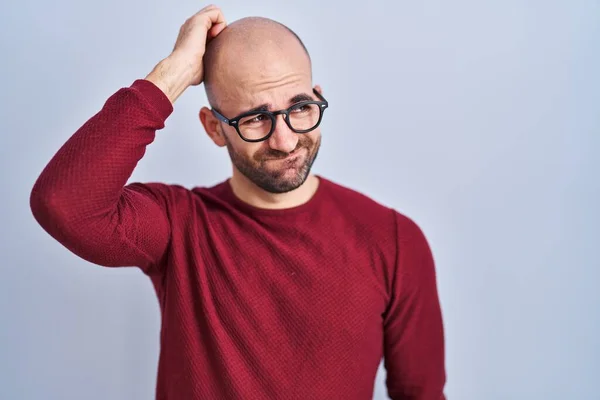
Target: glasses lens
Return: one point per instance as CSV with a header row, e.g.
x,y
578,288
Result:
x,y
255,126
305,116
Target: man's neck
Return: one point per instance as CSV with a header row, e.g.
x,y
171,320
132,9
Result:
x,y
249,193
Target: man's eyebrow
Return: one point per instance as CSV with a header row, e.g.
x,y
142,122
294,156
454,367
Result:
x,y
300,97
262,107
296,99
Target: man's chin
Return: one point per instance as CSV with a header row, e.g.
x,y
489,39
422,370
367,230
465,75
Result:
x,y
276,175
283,181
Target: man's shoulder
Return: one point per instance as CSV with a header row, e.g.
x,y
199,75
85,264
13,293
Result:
x,y
367,208
177,197
176,190
358,204
159,189
353,196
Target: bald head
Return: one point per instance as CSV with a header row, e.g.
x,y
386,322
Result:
x,y
247,51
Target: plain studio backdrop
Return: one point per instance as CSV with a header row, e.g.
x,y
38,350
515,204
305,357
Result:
x,y
479,120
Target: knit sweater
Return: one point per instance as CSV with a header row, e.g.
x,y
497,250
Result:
x,y
298,303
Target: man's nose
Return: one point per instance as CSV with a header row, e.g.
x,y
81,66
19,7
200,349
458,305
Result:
x,y
283,138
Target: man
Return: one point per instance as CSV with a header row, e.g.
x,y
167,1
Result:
x,y
276,283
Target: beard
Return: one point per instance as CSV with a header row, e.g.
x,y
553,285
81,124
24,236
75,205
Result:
x,y
288,175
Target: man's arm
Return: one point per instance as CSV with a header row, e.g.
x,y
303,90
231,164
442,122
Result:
x,y
414,335
81,197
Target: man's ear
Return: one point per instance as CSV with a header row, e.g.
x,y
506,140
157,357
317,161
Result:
x,y
212,126
318,89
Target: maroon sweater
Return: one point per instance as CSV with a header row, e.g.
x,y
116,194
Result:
x,y
300,303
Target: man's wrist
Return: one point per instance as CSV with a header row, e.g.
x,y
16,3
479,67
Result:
x,y
171,76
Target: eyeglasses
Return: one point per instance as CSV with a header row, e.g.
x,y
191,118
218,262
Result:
x,y
256,126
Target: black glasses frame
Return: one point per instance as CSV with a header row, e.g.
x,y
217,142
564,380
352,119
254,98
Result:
x,y
323,104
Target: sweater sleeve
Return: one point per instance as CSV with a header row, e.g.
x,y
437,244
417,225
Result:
x,y
413,330
81,198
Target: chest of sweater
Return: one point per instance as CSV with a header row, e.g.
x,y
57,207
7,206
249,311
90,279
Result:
x,y
279,294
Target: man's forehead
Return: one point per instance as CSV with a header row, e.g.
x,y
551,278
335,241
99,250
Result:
x,y
264,66
246,95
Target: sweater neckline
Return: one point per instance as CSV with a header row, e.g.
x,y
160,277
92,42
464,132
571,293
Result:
x,y
307,206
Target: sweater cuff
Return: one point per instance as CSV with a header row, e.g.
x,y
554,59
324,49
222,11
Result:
x,y
154,96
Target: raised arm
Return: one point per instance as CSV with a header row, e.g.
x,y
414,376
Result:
x,y
82,198
414,356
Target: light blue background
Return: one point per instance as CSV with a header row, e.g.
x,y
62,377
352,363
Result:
x,y
479,119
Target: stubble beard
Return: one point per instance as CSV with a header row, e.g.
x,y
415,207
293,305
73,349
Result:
x,y
274,181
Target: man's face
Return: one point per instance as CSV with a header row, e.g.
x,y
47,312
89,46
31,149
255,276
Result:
x,y
282,162
272,170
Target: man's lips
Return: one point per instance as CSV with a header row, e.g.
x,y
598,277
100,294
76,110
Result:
x,y
290,156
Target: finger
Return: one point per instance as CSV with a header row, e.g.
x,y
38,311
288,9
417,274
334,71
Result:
x,y
214,16
216,29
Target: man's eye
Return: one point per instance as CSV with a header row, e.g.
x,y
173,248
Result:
x,y
300,109
259,118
